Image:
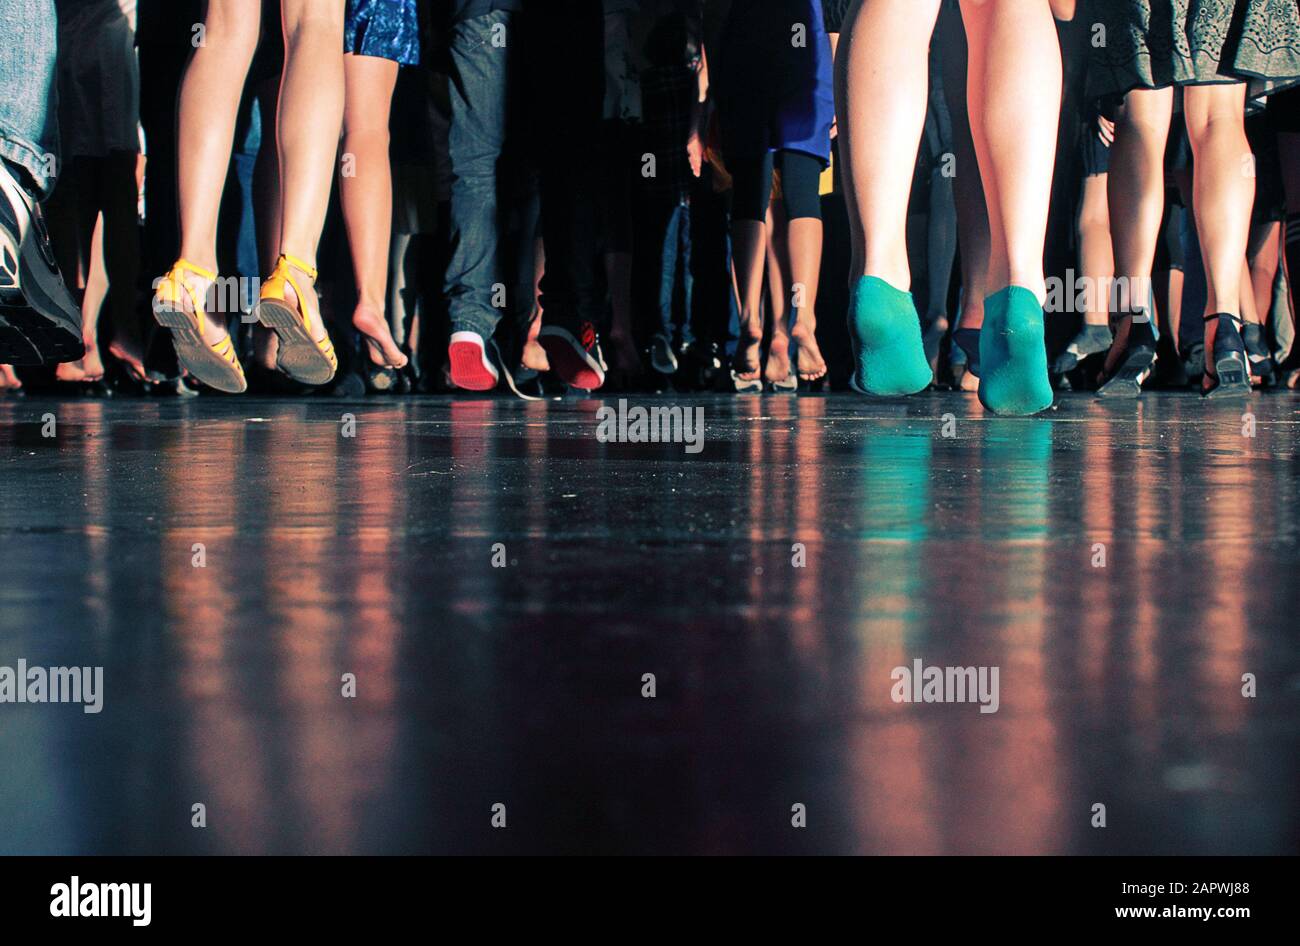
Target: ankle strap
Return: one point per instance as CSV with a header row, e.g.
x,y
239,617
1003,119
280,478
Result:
x,y
1225,315
301,265
186,266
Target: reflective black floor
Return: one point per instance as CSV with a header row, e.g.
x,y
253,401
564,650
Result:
x,y
1122,566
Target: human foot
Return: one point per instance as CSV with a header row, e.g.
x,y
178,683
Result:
x,y
746,364
777,369
1013,358
372,325
9,382
1226,371
128,353
289,305
808,357
889,356
203,346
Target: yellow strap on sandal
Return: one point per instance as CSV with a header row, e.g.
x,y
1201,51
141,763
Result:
x,y
176,278
283,273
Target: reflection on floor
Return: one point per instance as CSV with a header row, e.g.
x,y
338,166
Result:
x,y
500,581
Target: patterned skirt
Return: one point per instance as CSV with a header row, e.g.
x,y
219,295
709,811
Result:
x,y
1153,44
387,29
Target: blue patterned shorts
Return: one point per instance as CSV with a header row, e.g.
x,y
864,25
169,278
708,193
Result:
x,y
388,29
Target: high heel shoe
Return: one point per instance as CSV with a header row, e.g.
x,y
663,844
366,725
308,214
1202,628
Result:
x,y
300,356
215,364
1133,364
1231,377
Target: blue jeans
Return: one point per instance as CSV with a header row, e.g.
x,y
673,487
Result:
x,y
676,258
29,129
479,77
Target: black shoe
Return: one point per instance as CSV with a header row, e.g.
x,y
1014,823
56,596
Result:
x,y
1133,364
39,322
1257,353
1091,340
573,349
1231,376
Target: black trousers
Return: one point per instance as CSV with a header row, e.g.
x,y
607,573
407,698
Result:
x,y
567,67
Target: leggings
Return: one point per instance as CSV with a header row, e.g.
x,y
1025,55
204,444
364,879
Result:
x,y
752,183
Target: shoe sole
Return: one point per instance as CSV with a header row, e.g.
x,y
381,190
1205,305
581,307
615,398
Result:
x,y
470,369
569,360
1234,379
298,357
193,352
34,328
15,346
1127,380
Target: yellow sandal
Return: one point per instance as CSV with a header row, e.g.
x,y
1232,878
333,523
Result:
x,y
301,357
216,365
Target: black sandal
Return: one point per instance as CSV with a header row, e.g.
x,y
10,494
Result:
x,y
1231,377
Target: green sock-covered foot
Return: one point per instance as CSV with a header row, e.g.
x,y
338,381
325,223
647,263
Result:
x,y
889,356
1013,357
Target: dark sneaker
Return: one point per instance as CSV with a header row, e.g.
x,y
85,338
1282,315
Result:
x,y
471,368
574,354
39,322
522,382
662,357
1261,360
1091,340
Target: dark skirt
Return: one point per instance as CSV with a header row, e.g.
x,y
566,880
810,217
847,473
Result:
x,y
385,29
774,90
1153,44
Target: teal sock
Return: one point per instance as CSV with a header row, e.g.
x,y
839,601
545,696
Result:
x,y
1013,357
889,356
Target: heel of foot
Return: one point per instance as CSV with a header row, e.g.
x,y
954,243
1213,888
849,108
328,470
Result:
x,y
886,332
1013,357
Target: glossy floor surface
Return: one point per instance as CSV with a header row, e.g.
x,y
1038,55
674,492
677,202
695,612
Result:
x,y
500,580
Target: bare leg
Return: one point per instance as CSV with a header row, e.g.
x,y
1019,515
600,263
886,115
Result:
x,y
1096,254
777,257
804,245
1014,91
881,86
308,121
748,251
366,195
209,107
1136,194
121,249
1222,195
1265,246
534,355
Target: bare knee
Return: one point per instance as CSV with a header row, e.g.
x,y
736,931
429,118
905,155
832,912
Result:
x,y
230,28
311,22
